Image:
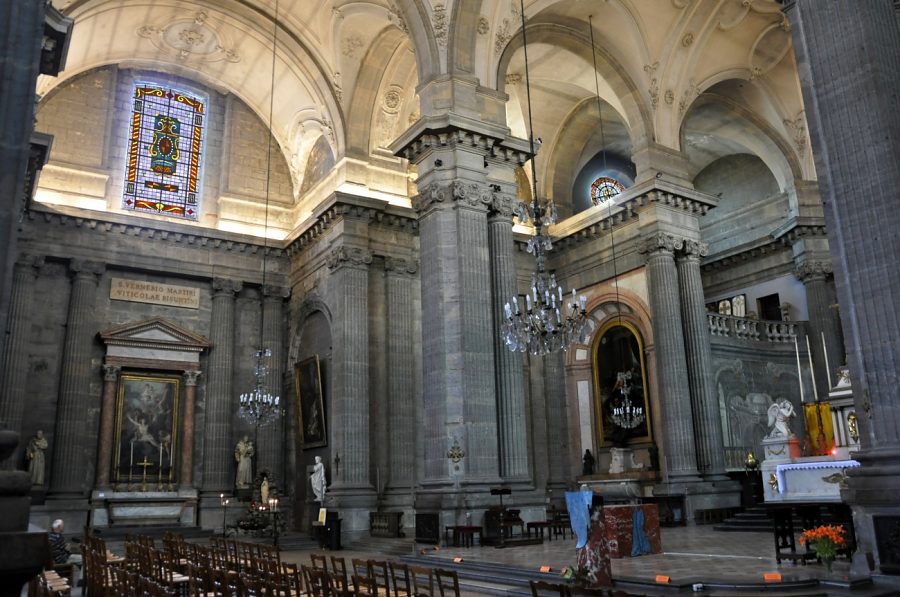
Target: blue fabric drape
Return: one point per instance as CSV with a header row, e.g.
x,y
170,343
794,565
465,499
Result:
x,y
579,506
640,544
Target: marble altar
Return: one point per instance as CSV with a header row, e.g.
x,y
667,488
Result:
x,y
619,528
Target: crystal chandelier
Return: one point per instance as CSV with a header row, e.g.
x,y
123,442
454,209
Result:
x,y
258,406
545,322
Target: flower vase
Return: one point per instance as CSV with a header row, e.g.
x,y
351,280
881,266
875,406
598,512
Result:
x,y
828,562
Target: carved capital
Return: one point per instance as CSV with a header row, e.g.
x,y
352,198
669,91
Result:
x,y
695,249
111,372
503,204
661,243
348,256
191,377
400,265
82,268
275,292
472,194
810,270
432,194
226,286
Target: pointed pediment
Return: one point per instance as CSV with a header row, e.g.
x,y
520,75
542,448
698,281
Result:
x,y
156,333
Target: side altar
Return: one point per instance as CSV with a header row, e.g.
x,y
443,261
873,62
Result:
x,y
145,454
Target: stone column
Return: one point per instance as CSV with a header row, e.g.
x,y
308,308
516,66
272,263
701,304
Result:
x,y
349,268
823,319
187,429
15,350
675,396
458,331
218,470
848,58
271,439
704,401
69,465
21,34
511,418
107,425
401,371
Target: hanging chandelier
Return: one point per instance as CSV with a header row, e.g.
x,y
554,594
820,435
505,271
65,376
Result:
x,y
259,406
544,322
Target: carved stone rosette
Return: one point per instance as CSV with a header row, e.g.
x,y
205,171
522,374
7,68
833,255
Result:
x,y
470,194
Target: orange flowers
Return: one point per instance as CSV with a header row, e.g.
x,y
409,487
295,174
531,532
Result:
x,y
824,533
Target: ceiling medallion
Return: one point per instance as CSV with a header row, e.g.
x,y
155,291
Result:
x,y
198,38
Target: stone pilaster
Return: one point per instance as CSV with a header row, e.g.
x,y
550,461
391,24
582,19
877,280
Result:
x,y
401,371
557,422
674,391
270,453
15,351
218,470
823,320
458,331
704,401
186,462
107,425
349,267
848,58
69,466
512,423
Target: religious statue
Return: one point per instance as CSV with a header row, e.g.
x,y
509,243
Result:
x,y
317,480
264,489
243,455
780,413
34,453
587,463
843,380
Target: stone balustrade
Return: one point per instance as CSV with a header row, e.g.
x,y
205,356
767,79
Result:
x,y
742,328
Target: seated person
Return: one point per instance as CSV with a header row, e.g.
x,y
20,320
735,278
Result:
x,y
60,550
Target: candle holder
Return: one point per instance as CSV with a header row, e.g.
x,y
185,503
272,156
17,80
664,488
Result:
x,y
224,502
273,511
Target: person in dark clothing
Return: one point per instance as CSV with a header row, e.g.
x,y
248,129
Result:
x,y
60,551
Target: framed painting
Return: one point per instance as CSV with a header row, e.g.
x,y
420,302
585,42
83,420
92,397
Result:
x,y
620,386
310,403
147,418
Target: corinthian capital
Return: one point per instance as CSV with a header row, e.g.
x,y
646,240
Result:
x,y
431,195
503,204
348,256
85,268
472,194
191,377
811,270
400,265
226,286
661,242
694,248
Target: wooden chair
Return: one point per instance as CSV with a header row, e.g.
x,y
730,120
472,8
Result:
x,y
360,565
339,567
319,562
577,591
364,586
378,572
400,579
422,580
447,580
543,588
317,583
340,587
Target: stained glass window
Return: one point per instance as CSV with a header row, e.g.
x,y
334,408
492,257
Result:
x,y
604,189
162,171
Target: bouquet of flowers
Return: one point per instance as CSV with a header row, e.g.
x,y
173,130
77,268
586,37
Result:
x,y
825,540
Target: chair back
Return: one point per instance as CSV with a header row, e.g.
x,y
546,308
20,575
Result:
x,y
447,582
422,580
400,579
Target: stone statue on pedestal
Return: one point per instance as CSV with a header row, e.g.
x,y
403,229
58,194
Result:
x,y
243,454
587,463
780,413
317,480
34,453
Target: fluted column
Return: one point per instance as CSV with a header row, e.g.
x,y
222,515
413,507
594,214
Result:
x,y
217,448
349,268
557,420
69,466
704,400
271,437
15,353
823,321
107,424
512,423
187,429
401,370
675,396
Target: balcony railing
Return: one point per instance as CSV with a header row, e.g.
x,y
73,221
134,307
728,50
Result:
x,y
742,328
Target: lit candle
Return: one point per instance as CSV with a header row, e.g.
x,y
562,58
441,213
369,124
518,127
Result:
x,y
825,353
528,302
812,371
799,373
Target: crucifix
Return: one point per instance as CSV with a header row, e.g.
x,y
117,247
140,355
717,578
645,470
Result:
x,y
144,464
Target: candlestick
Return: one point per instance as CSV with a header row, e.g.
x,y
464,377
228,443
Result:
x,y
825,353
812,371
799,373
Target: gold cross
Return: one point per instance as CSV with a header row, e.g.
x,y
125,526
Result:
x,y
455,454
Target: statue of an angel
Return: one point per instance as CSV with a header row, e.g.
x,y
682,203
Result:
x,y
779,415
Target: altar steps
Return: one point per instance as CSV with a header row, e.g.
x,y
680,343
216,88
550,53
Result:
x,y
118,533
757,520
389,546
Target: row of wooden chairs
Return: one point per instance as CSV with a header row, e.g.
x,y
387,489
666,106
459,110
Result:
x,y
377,578
540,588
49,584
